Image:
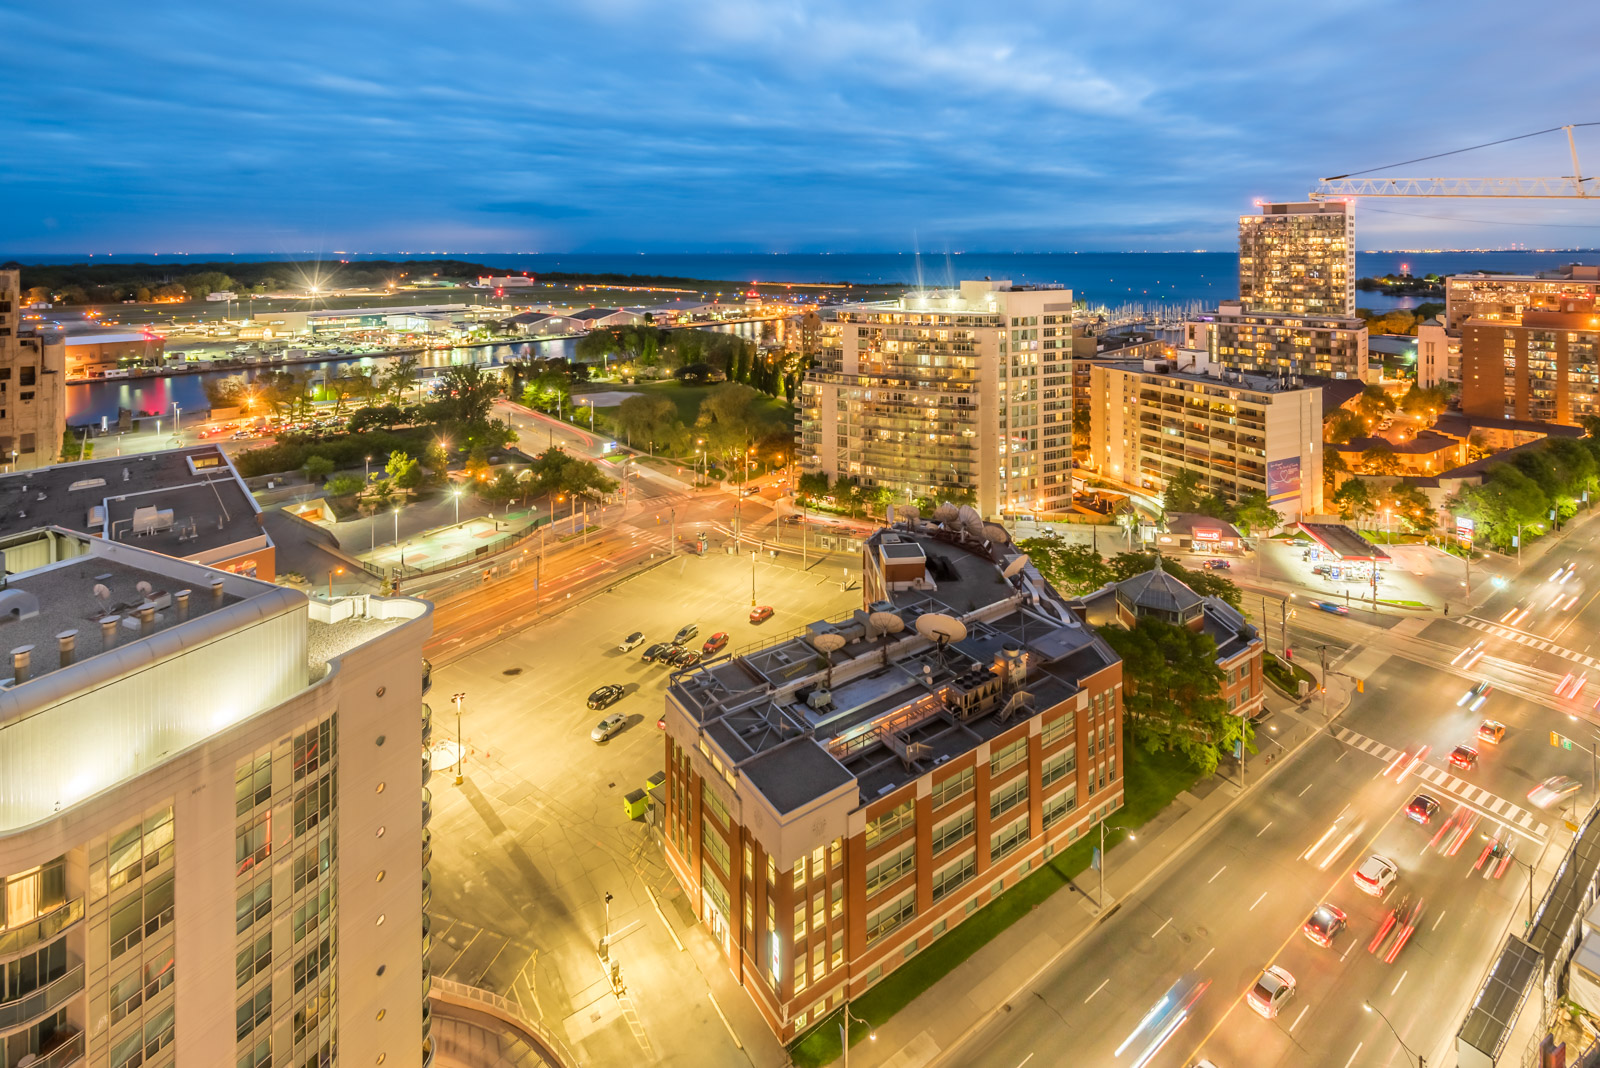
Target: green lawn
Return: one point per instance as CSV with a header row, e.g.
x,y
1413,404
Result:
x,y
774,410
1151,782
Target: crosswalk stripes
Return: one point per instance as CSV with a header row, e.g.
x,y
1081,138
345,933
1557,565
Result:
x,y
1529,640
1495,805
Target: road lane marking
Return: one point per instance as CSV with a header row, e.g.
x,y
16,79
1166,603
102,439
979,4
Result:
x,y
1163,927
1440,917
1398,981
1024,1060
1259,833
1353,1053
1203,959
1300,1017
1347,949
1097,990
1220,871
1258,901
1308,786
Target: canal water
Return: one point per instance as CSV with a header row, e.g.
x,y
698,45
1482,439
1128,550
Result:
x,y
89,402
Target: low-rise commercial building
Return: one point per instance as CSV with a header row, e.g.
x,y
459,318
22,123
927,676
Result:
x,y
1236,433
186,503
544,324
1158,594
838,801
605,318
941,394
213,823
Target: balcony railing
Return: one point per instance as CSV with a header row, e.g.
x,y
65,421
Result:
x,y
427,890
69,1050
427,805
45,927
427,724
45,999
427,846
427,768
427,675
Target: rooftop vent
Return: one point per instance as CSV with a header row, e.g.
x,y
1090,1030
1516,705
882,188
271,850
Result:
x,y
18,604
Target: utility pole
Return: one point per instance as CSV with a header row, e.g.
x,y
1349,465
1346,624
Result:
x,y
672,543
1283,627
1322,652
460,748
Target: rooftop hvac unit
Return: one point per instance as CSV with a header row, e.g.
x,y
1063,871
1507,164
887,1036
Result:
x,y
150,519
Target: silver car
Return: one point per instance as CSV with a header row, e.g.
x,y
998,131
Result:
x,y
1553,789
607,727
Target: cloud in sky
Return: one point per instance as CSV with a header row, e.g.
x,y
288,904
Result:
x,y
615,125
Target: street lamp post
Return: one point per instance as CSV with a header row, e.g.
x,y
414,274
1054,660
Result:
x,y
332,572
397,528
458,698
177,422
752,578
457,495
844,1032
1409,1051
369,470
1131,838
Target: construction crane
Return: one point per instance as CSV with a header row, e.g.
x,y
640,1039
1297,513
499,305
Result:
x,y
1569,187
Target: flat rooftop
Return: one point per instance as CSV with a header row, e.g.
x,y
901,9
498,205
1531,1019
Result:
x,y
899,704
209,506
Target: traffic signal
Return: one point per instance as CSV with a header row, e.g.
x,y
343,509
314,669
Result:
x,y
1555,739
1361,686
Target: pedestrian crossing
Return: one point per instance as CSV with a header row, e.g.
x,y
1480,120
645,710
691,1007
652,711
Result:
x,y
1530,640
1494,805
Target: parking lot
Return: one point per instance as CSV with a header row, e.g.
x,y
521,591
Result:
x,y
525,850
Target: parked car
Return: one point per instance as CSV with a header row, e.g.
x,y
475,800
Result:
x,y
656,652
761,614
1492,731
686,658
1553,789
715,644
1376,874
1464,757
1271,992
1325,922
685,632
1217,565
1422,808
606,696
631,642
607,727
1329,606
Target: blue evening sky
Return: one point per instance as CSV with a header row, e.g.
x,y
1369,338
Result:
x,y
736,125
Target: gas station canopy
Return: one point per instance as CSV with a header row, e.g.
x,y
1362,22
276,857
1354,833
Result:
x,y
1344,544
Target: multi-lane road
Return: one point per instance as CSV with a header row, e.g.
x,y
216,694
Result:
x,y
1235,899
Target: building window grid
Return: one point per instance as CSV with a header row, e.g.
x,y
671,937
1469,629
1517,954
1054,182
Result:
x,y
888,869
953,787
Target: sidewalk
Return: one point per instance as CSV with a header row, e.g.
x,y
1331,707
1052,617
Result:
x,y
983,987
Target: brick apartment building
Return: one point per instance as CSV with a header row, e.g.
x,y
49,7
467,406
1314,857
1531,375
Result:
x,y
1543,364
838,800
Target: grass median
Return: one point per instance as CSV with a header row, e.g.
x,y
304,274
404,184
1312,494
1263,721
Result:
x,y
1151,782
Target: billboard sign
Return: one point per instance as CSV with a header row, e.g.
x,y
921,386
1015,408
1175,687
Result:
x,y
1466,528
1283,479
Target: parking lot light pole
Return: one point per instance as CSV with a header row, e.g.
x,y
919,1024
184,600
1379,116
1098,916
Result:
x,y
458,698
844,1032
752,578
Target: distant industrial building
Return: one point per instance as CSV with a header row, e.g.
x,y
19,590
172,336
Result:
x,y
605,318
544,324
1299,259
506,281
417,318
33,386
1235,432
839,800
966,392
208,778
186,503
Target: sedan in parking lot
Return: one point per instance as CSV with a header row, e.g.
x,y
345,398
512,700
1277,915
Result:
x,y
685,632
715,644
1553,789
656,652
1422,808
607,727
761,613
685,658
1329,606
631,642
605,696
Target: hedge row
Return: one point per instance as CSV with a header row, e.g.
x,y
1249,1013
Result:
x,y
350,450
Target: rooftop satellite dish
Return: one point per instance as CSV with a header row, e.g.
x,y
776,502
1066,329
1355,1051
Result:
x,y
967,515
940,628
996,533
1016,565
909,513
827,643
144,587
101,592
887,622
945,513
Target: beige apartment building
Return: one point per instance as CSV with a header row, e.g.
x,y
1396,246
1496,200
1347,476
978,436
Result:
x,y
212,817
1299,259
33,384
1236,432
1438,354
839,800
936,394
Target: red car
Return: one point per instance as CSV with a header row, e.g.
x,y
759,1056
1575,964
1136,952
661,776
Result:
x,y
715,644
761,614
1464,757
